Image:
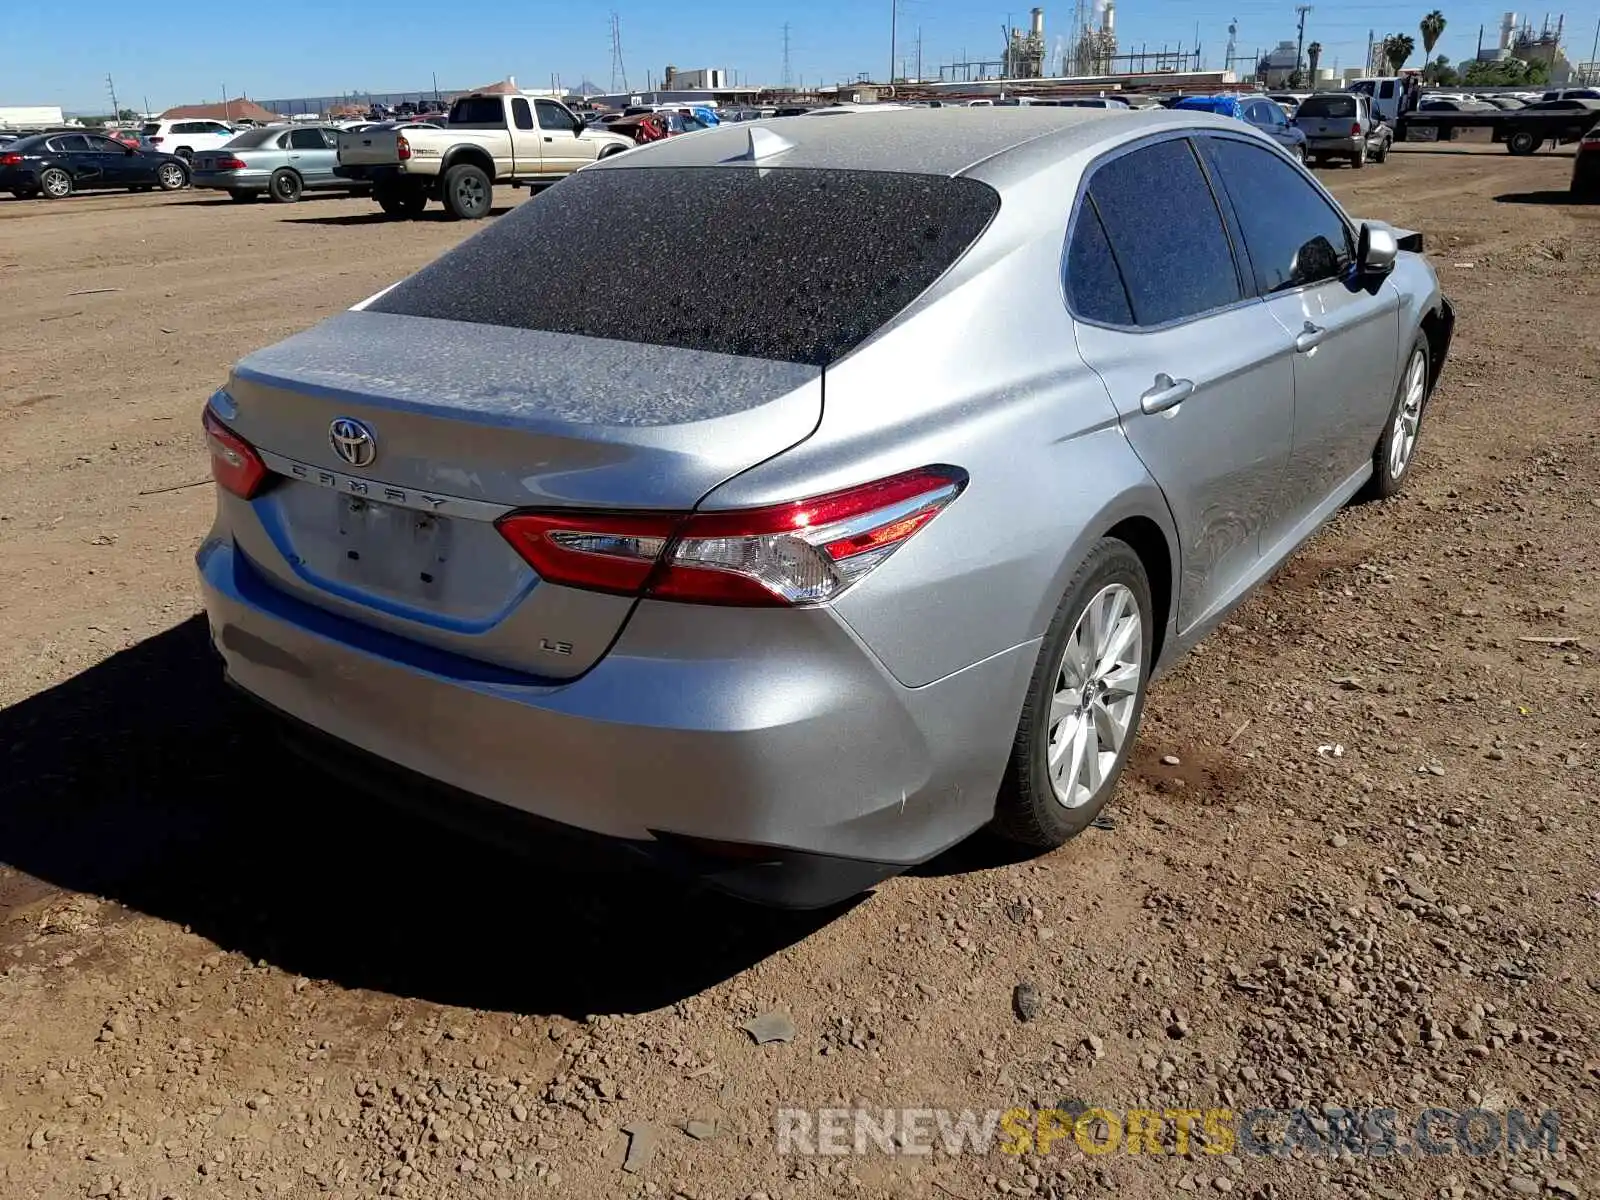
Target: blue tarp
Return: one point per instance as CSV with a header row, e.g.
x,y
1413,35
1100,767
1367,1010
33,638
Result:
x,y
1223,106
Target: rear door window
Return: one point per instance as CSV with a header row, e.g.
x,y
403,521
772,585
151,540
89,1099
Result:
x,y
1294,236
306,139
521,114
798,265
1166,232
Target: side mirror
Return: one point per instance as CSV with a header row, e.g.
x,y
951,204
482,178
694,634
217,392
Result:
x,y
1376,250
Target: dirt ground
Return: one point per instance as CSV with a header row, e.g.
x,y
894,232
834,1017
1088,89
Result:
x,y
1368,879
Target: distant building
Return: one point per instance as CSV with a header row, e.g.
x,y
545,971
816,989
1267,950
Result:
x,y
23,116
704,79
228,110
1277,65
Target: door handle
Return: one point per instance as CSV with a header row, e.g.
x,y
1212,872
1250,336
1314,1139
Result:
x,y
1167,393
1309,337
549,139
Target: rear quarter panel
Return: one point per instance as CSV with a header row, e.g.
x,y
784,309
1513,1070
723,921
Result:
x,y
982,373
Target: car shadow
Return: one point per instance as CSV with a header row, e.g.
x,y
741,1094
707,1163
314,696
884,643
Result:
x,y
223,200
379,217
145,780
1562,197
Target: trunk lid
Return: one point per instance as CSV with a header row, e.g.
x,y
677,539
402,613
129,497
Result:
x,y
459,423
372,147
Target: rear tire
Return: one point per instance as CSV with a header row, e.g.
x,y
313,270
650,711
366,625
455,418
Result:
x,y
1097,649
468,192
285,187
1397,448
1522,142
55,184
1359,158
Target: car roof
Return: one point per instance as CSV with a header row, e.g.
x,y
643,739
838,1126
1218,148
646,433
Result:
x,y
986,143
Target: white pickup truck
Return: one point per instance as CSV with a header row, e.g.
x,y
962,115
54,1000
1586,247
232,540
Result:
x,y
488,139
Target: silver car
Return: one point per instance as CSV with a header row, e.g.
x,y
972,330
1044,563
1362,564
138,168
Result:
x,y
838,495
275,161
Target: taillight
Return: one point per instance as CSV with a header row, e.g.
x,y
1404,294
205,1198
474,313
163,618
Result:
x,y
1355,128
231,164
155,141
1591,141
235,465
798,553
10,160
402,148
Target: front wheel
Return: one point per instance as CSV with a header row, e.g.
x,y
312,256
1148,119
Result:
x,y
1083,704
55,183
1392,456
284,187
1382,154
170,178
468,192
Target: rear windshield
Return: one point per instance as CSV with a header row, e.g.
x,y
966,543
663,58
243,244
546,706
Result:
x,y
1342,107
478,110
255,137
150,127
799,265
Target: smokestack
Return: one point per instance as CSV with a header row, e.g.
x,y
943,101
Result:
x,y
1036,22
1108,21
1508,25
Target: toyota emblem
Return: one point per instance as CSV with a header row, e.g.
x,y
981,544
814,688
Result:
x,y
352,441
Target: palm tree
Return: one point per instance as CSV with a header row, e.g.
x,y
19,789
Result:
x,y
1314,56
1397,47
1431,28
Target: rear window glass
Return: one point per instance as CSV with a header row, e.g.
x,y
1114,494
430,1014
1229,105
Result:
x,y
254,137
799,266
479,110
1337,107
150,127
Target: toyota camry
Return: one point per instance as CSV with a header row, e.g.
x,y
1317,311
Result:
x,y
839,495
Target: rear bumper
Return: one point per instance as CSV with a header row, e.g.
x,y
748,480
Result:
x,y
379,173
232,181
766,739
1334,145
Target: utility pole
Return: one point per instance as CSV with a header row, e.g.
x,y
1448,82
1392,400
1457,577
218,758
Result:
x,y
227,109
1300,43
919,52
1594,55
894,17
786,76
112,88
435,90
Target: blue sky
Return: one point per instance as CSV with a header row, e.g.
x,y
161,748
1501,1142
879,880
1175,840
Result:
x,y
193,49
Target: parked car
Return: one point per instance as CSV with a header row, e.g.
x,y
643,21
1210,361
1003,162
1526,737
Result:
x,y
1288,101
1455,104
1340,125
524,526
187,138
1504,103
128,137
1089,102
1586,168
1385,91
1577,93
274,161
1252,110
489,139
54,165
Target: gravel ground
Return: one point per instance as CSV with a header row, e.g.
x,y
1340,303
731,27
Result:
x,y
1351,866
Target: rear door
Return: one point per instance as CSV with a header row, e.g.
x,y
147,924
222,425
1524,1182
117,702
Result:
x,y
527,142
116,164
310,155
1197,367
73,154
561,146
1346,334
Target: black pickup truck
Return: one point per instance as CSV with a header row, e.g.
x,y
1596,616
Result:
x,y
1523,130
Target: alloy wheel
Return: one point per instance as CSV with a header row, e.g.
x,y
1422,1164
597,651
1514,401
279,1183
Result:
x,y
471,193
56,183
1096,690
171,177
1408,419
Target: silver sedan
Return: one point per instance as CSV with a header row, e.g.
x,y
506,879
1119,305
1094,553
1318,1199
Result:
x,y
838,495
276,161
